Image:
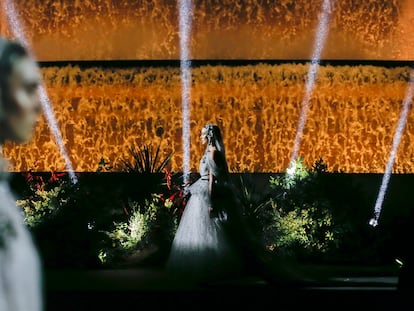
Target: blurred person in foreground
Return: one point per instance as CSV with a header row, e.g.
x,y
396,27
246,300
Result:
x,y
21,285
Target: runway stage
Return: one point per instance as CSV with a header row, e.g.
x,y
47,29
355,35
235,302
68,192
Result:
x,y
149,288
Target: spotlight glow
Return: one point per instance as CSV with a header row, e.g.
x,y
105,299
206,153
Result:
x,y
321,35
395,143
185,12
18,32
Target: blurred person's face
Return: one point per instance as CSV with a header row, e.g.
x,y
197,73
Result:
x,y
23,103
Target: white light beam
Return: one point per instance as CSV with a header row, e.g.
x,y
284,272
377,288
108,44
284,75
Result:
x,y
395,143
185,19
321,35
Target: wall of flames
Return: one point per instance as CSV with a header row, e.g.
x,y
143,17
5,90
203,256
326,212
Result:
x,y
101,112
222,29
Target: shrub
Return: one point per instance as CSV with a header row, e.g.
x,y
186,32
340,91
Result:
x,y
66,218
303,224
293,218
152,224
45,197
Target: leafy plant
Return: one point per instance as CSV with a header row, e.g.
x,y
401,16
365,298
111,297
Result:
x,y
151,223
301,232
128,234
44,197
302,221
254,202
296,172
141,230
145,160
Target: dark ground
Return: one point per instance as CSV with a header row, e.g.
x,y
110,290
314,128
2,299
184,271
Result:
x,y
338,287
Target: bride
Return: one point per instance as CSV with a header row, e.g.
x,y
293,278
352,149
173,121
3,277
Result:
x,y
201,248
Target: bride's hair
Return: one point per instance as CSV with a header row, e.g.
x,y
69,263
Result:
x,y
214,137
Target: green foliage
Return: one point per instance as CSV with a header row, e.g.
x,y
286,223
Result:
x,y
254,202
294,217
80,225
307,230
70,222
45,197
66,218
251,198
41,204
152,223
294,174
128,234
302,213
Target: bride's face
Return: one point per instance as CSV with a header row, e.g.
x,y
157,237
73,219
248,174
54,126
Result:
x,y
203,136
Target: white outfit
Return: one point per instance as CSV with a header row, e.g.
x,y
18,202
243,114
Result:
x,y
201,248
20,266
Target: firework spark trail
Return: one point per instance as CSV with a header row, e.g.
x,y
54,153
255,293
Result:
x,y
321,35
395,143
185,12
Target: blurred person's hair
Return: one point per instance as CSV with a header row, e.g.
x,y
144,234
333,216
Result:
x,y
10,52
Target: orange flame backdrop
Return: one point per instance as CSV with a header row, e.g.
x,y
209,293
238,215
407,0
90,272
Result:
x,y
101,112
353,112
222,29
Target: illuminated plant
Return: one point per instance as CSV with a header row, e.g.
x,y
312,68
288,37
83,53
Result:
x,y
300,220
142,230
45,196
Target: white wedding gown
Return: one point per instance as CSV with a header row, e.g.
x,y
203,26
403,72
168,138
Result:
x,y
201,248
